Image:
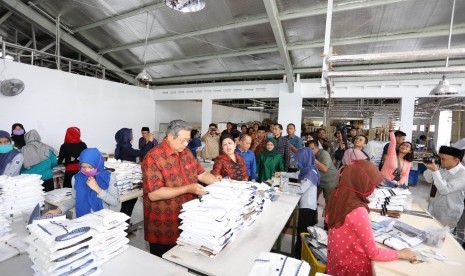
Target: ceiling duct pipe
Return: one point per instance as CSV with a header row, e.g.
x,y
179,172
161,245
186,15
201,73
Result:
x,y
395,72
398,56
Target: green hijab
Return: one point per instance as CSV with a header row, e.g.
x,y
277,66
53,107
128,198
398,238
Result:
x,y
272,153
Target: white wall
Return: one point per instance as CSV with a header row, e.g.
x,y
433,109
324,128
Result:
x,y
54,100
191,112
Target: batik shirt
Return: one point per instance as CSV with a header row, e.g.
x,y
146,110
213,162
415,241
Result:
x,y
225,166
164,168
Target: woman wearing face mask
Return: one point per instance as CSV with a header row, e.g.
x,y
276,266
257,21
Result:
x,y
11,159
396,166
229,163
39,158
309,177
17,135
351,244
94,188
69,152
269,161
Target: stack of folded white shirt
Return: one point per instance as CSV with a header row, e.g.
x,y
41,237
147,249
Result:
x,y
59,194
392,199
20,194
270,264
58,246
210,223
10,243
109,238
127,174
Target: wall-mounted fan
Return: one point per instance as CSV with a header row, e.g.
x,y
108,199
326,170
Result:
x,y
11,87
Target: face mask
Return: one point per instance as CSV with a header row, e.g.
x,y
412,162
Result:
x,y
6,148
18,131
89,173
269,135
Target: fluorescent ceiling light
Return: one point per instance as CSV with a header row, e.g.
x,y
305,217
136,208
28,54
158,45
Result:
x,y
256,107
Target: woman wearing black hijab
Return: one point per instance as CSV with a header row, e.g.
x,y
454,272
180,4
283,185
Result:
x,y
17,135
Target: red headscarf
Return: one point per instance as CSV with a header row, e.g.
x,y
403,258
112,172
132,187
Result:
x,y
73,135
358,181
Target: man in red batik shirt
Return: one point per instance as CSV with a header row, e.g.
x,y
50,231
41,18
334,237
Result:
x,y
170,174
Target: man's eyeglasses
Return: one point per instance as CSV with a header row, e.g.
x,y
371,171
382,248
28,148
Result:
x,y
184,140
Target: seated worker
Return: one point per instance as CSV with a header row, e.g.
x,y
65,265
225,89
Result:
x,y
11,160
94,188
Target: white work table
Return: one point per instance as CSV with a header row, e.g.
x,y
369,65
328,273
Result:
x,y
133,261
237,258
451,248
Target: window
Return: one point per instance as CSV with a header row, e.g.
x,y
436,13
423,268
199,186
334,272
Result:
x,y
414,128
422,127
432,128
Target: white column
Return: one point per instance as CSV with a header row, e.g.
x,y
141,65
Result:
x,y
207,111
290,107
406,115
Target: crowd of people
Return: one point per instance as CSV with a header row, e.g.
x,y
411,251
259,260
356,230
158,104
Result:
x,y
172,175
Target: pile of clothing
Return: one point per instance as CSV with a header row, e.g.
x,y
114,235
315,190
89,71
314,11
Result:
x,y
209,223
58,246
59,195
19,195
389,201
128,174
109,236
10,243
270,264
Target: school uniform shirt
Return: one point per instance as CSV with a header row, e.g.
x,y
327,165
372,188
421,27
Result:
x,y
164,168
351,247
448,205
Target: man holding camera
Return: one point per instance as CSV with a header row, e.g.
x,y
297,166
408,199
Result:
x,y
448,204
212,142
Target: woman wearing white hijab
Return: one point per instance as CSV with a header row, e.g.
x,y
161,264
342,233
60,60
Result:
x,y
39,158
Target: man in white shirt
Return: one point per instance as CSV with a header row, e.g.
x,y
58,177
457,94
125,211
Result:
x,y
448,204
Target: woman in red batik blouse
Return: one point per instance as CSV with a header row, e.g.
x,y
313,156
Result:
x,y
229,163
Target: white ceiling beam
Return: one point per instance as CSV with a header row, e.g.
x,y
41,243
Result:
x,y
235,25
219,76
396,56
307,70
243,52
338,7
255,21
36,18
382,37
273,15
119,17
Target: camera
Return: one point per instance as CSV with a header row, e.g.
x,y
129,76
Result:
x,y
431,159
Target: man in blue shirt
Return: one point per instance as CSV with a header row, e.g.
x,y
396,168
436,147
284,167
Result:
x,y
243,148
296,142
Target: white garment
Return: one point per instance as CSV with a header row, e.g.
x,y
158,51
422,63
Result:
x,y
270,264
447,206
